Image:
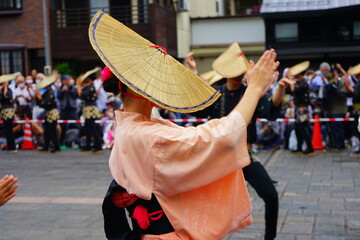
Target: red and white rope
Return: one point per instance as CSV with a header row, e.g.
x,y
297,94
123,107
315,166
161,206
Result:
x,y
195,120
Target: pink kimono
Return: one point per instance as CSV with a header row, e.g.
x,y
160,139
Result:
x,y
195,172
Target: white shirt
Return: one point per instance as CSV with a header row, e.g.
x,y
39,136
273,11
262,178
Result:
x,y
22,101
349,101
102,96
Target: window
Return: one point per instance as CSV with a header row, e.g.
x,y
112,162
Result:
x,y
11,61
6,5
286,32
356,29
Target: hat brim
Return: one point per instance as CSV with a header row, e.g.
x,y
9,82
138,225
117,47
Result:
x,y
7,78
147,69
88,73
211,77
299,68
354,70
231,63
47,81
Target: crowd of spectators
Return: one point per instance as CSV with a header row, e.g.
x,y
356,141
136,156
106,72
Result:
x,y
330,94
69,106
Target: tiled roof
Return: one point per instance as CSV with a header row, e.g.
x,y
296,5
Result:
x,y
273,6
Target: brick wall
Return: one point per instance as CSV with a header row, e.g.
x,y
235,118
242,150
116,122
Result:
x,y
26,28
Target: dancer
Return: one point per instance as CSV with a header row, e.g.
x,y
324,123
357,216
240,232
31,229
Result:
x,y
176,182
90,111
46,99
233,65
300,93
7,112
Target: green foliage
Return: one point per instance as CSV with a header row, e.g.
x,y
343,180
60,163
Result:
x,y
64,68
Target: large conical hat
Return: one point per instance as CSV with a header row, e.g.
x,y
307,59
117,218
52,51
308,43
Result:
x,y
7,77
147,69
299,68
211,77
231,63
46,81
88,73
354,70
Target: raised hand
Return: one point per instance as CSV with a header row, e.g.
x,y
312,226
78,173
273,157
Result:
x,y
190,61
261,74
7,188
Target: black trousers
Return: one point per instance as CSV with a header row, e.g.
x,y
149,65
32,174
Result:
x,y
50,135
66,114
91,131
260,180
303,133
8,130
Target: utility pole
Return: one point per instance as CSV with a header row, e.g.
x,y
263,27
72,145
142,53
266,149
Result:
x,y
47,68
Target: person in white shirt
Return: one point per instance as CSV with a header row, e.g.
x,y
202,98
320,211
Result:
x,y
22,96
102,97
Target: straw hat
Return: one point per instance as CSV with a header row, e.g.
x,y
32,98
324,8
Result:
x,y
46,81
147,69
354,70
88,73
211,77
231,63
299,68
7,77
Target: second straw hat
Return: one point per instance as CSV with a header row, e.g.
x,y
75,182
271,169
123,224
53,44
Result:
x,y
7,77
354,70
48,80
231,63
299,68
147,69
88,73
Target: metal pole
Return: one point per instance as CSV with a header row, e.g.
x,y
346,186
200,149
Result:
x,y
46,39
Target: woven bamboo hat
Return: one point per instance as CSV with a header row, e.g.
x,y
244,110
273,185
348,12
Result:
x,y
7,77
211,77
147,69
88,73
231,63
354,70
46,81
299,68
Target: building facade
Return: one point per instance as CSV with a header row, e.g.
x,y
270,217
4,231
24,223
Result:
x,y
22,42
327,30
215,24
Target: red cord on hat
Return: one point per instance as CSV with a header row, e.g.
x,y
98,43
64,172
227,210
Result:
x,y
161,49
240,54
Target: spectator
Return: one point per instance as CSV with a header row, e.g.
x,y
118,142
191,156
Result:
x,y
335,107
102,97
22,96
289,127
34,74
7,188
322,77
67,98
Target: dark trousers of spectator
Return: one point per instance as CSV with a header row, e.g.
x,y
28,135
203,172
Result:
x,y
50,135
10,138
336,132
91,131
260,180
303,134
66,115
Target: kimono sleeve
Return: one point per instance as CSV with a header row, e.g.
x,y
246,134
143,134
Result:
x,y
189,158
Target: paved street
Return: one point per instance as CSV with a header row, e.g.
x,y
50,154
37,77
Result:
x,y
59,196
